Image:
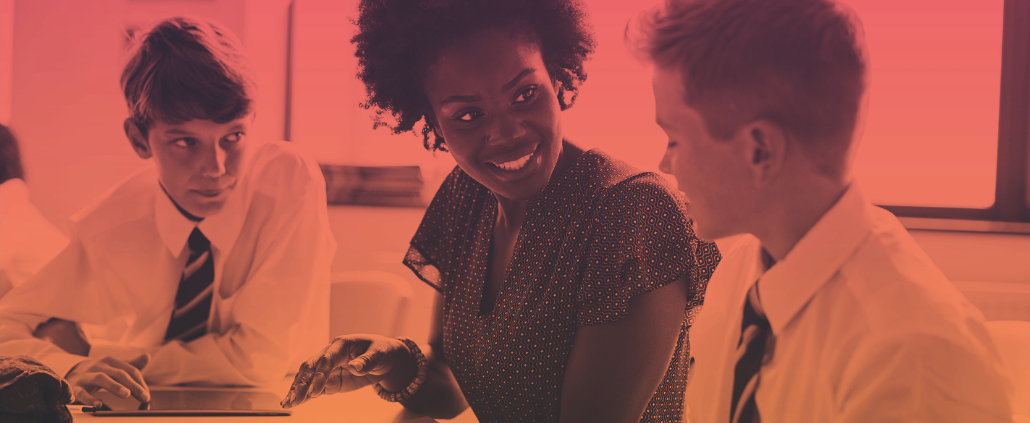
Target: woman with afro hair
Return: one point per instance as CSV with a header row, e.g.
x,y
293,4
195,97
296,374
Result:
x,y
567,278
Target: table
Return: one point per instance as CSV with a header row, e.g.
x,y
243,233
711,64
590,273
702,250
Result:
x,y
361,406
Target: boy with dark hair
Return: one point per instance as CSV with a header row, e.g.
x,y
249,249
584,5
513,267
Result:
x,y
212,267
828,311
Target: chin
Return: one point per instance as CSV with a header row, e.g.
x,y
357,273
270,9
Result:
x,y
704,231
207,210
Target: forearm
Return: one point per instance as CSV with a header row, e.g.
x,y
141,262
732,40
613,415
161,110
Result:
x,y
440,396
614,368
240,357
16,339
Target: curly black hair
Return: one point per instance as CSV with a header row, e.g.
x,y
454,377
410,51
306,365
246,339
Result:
x,y
399,39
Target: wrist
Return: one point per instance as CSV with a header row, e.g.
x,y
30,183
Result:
x,y
404,370
394,393
74,369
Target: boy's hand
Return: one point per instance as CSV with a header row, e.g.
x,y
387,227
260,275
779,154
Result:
x,y
65,334
116,376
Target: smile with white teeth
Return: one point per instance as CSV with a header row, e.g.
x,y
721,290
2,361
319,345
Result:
x,y
515,164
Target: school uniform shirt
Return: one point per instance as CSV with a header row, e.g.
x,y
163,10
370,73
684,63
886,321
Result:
x,y
118,278
865,328
28,241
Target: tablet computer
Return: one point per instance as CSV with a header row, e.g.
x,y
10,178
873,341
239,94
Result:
x,y
192,402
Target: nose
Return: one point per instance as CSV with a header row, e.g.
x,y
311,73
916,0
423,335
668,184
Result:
x,y
212,162
505,129
666,165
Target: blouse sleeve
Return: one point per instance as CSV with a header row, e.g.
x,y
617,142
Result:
x,y
429,253
642,240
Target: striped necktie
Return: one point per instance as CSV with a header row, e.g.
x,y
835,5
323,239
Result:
x,y
193,299
754,333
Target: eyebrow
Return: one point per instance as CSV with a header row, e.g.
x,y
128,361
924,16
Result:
x,y
461,99
518,78
177,131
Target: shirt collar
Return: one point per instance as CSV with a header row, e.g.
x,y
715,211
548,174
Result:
x,y
790,283
15,187
173,227
221,229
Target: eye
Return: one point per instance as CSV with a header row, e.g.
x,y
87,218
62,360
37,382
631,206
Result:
x,y
525,95
234,137
184,142
468,116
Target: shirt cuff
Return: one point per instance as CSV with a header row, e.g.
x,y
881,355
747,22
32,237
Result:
x,y
62,363
102,348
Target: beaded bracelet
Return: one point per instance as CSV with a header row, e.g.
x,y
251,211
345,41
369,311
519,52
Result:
x,y
420,376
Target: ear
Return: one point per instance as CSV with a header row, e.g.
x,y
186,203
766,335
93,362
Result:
x,y
430,119
766,149
139,142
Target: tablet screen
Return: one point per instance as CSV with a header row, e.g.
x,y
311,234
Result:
x,y
193,402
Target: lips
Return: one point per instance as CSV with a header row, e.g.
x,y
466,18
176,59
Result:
x,y
508,163
209,193
214,193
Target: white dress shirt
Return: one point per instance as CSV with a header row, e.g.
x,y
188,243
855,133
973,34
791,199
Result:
x,y
119,275
865,328
28,241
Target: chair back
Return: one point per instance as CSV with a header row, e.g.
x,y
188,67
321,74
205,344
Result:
x,y
368,301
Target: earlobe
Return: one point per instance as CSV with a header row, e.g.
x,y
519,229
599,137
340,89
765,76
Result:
x,y
139,142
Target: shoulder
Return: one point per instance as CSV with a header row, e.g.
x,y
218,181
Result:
x,y
626,189
283,169
129,201
459,182
457,193
891,275
895,292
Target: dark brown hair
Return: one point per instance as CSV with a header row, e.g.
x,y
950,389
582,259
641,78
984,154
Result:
x,y
10,157
798,63
399,39
183,69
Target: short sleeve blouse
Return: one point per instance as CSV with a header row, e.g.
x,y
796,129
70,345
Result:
x,y
599,234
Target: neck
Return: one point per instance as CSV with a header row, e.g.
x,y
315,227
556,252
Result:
x,y
792,211
185,213
511,212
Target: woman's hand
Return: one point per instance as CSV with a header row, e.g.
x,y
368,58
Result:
x,y
352,362
118,377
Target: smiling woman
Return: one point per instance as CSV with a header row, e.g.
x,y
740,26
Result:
x,y
568,279
496,88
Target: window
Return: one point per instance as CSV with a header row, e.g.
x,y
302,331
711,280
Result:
x,y
946,133
946,130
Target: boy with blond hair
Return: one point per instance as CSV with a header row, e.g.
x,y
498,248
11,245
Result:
x,y
826,310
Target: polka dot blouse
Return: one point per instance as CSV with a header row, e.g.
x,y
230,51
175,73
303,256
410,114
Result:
x,y
597,235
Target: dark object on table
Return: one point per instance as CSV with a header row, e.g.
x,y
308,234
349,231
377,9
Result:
x,y
31,392
399,186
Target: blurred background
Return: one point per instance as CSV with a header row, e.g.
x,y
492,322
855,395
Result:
x,y
945,144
